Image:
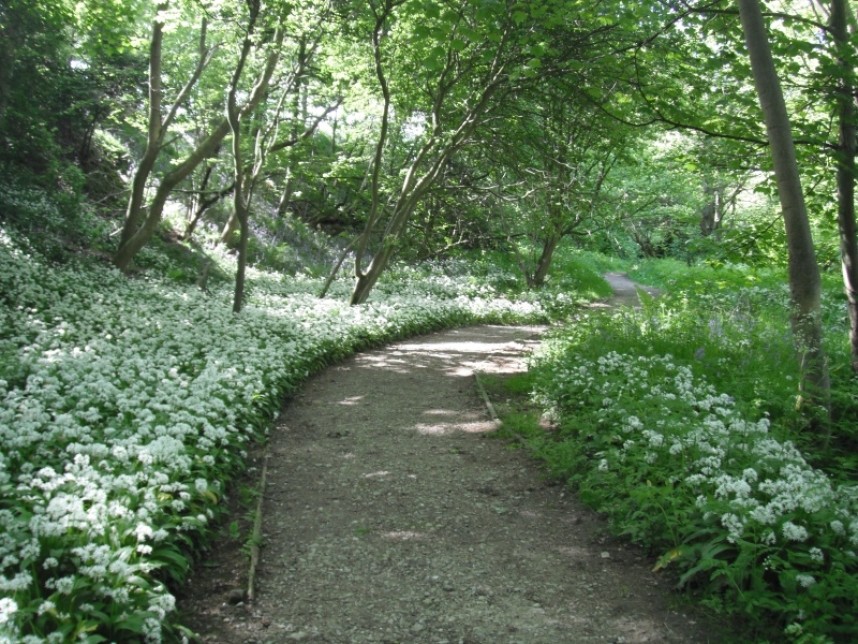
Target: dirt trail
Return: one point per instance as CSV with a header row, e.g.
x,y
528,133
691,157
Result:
x,y
391,514
625,291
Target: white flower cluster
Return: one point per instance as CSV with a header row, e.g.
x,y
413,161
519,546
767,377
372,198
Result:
x,y
124,405
760,489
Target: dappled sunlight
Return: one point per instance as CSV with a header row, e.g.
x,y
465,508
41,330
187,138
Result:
x,y
403,535
443,422
434,347
352,400
492,352
388,362
442,429
381,474
440,412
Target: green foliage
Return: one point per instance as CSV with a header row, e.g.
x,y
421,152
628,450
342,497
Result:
x,y
580,272
72,117
55,222
677,467
678,422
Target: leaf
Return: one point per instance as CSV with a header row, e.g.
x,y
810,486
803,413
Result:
x,y
422,31
432,10
670,556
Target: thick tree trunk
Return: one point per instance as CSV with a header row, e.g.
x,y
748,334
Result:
x,y
365,282
804,279
543,264
847,115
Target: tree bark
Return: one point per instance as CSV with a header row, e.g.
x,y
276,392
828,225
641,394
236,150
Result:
x,y
847,115
543,264
203,207
241,192
375,196
134,211
429,160
804,279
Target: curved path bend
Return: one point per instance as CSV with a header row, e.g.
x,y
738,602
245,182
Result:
x,y
391,514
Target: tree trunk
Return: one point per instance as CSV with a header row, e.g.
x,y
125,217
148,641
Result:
x,y
155,211
804,280
134,211
229,228
286,195
137,236
433,154
197,198
847,115
711,213
203,207
241,262
367,279
241,205
543,264
375,190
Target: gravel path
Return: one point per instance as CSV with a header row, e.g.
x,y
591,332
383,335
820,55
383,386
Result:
x,y
391,514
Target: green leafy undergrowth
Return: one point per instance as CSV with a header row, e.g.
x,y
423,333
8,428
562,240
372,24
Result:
x,y
127,406
678,421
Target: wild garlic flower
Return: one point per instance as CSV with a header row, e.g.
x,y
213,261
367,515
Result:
x,y
794,532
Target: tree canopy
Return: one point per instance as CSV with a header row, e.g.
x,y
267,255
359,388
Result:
x,y
417,128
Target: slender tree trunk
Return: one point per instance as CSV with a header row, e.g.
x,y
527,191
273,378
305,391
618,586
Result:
x,y
333,274
134,212
155,211
203,207
285,195
847,115
229,228
369,278
240,203
140,223
241,263
375,175
197,200
137,236
804,279
433,155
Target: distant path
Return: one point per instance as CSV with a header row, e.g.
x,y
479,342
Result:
x,y
625,291
392,515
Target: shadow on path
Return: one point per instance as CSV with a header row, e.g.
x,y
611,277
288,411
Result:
x,y
392,515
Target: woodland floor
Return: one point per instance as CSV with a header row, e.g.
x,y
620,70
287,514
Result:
x,y
392,514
